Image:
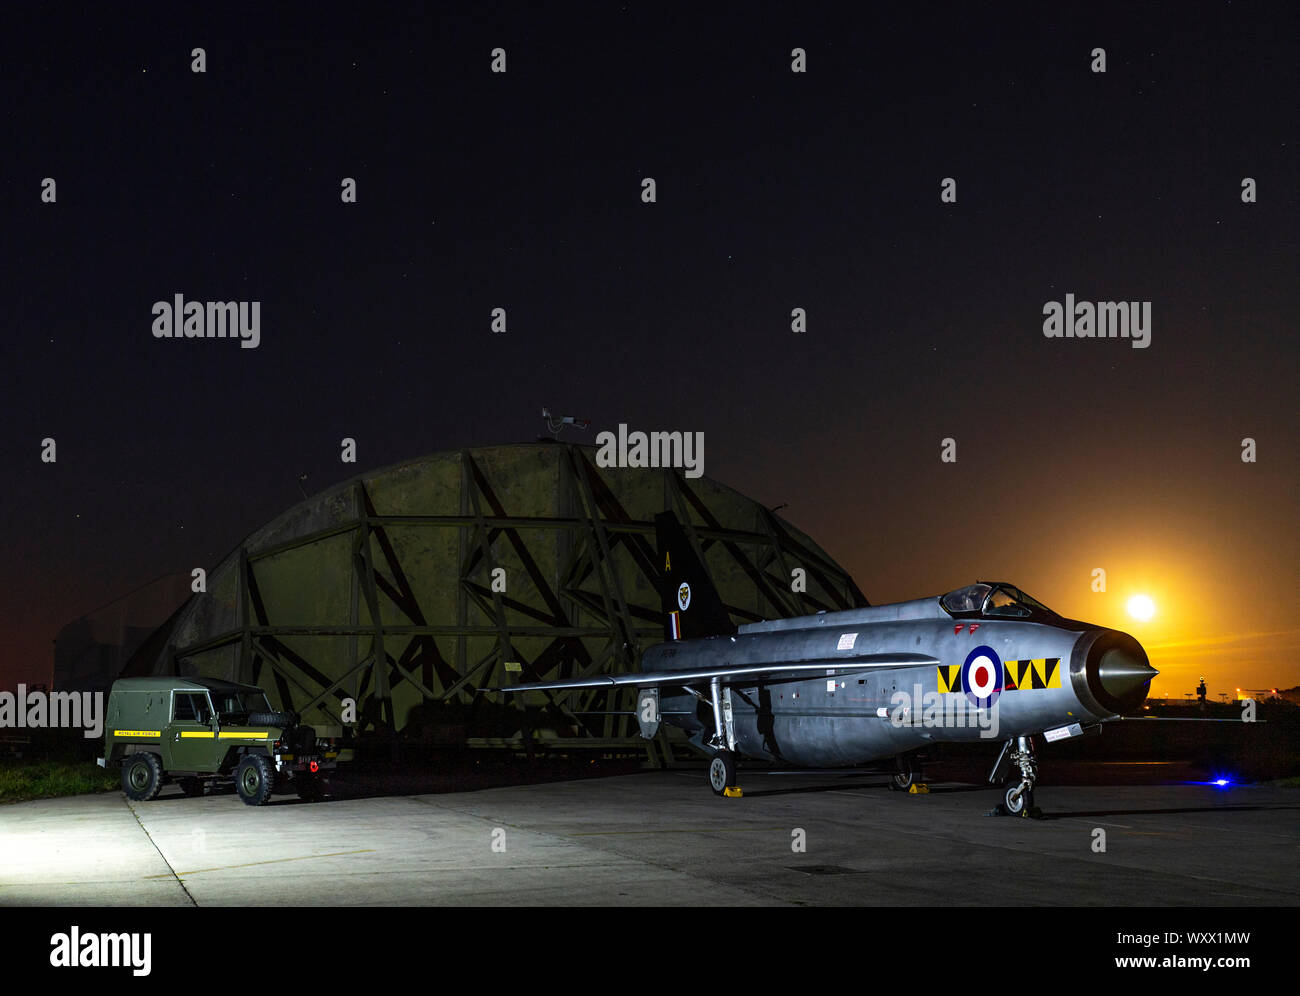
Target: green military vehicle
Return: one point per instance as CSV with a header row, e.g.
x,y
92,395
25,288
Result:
x,y
199,731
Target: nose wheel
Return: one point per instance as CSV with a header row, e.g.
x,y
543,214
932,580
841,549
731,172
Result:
x,y
1018,797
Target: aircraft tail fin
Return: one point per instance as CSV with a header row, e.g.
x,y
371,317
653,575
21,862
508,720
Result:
x,y
692,606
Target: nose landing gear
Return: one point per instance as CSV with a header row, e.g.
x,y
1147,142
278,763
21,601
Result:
x,y
1018,797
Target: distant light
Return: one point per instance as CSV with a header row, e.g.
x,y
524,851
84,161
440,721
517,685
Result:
x,y
1141,608
1219,783
1223,781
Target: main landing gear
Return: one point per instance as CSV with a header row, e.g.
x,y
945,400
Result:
x,y
907,776
722,768
722,773
1018,794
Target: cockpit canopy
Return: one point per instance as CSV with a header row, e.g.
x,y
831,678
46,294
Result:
x,y
994,600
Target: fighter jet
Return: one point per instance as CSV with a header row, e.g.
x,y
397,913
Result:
x,y
845,689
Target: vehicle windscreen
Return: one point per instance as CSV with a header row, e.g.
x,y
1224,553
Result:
x,y
240,703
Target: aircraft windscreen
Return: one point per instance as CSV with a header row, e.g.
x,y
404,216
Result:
x,y
1007,602
1003,604
1033,603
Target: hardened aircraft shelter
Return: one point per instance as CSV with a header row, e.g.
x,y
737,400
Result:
x,y
410,588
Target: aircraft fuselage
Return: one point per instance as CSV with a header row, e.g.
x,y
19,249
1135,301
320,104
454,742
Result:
x,y
1047,676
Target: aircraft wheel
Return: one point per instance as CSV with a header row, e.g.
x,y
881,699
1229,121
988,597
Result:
x,y
901,781
1021,805
722,771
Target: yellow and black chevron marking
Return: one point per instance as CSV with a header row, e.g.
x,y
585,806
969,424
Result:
x,y
950,677
1039,672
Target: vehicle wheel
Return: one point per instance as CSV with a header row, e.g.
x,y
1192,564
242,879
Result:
x,y
254,779
722,771
142,776
193,787
1021,805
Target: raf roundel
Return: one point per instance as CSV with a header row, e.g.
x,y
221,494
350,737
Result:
x,y
684,596
981,677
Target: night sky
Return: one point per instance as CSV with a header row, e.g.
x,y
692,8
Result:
x,y
775,190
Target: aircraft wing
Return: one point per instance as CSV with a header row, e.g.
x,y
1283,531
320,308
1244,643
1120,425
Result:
x,y
732,675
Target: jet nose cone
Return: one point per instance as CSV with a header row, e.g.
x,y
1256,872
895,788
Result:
x,y
1122,672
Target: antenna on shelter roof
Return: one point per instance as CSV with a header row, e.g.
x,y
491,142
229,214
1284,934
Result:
x,y
557,423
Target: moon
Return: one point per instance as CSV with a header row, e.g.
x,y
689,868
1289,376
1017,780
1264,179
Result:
x,y
1141,608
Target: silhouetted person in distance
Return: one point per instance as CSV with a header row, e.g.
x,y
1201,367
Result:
x,y
1200,694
